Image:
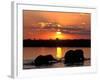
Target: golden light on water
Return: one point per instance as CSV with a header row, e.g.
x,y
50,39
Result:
x,y
59,53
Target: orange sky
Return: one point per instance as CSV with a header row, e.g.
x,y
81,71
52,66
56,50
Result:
x,y
44,25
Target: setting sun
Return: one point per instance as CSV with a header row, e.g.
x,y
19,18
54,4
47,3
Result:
x,y
52,25
53,39
58,32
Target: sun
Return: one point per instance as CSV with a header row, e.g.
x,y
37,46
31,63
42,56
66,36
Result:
x,y
58,32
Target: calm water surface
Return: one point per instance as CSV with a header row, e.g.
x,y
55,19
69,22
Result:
x,y
33,52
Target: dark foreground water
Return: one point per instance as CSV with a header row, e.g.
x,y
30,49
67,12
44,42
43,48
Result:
x,y
56,65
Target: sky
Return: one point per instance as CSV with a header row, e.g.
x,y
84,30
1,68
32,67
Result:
x,y
46,24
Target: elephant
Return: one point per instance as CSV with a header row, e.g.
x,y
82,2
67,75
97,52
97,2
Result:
x,y
44,60
74,56
79,56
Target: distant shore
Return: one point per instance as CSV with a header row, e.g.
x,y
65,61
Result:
x,y
56,43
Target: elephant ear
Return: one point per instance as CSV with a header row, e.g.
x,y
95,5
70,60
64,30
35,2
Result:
x,y
79,55
69,56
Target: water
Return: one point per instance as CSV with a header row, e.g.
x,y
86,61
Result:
x,y
33,52
30,53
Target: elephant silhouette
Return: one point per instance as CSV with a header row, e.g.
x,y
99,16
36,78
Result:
x,y
79,56
72,56
44,60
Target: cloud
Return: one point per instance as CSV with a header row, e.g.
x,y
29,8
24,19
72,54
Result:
x,y
74,30
65,30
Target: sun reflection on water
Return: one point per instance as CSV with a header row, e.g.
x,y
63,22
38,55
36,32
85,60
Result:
x,y
59,53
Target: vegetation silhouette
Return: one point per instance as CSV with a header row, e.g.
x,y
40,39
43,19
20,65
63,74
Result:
x,y
56,43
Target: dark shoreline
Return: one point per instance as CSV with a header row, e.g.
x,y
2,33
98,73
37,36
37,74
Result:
x,y
57,43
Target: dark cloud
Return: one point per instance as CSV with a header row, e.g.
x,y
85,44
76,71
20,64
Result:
x,y
66,30
76,30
